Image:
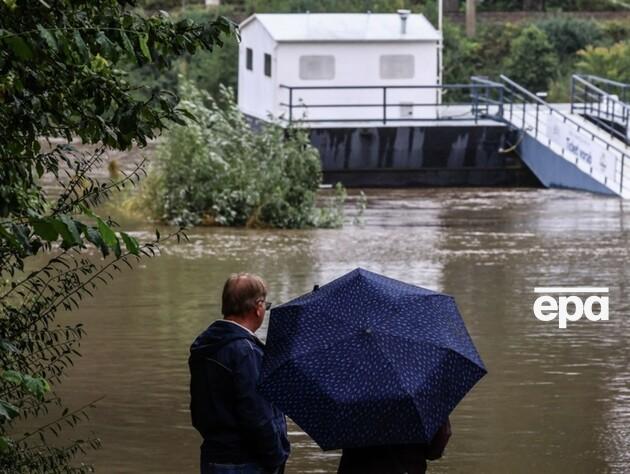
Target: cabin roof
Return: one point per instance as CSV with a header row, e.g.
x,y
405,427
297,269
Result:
x,y
319,27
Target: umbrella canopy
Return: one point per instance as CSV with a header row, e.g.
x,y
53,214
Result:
x,y
367,360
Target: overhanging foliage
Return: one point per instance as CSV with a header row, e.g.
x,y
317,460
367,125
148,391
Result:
x,y
61,76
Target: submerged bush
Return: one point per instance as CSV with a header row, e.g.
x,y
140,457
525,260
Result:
x,y
217,170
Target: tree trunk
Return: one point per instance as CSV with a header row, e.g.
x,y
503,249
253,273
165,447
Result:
x,y
471,18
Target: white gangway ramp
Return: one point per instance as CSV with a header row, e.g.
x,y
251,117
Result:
x,y
563,149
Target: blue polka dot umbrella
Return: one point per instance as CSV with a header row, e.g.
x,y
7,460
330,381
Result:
x,y
366,360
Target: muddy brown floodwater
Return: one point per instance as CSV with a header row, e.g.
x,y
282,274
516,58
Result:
x,y
554,401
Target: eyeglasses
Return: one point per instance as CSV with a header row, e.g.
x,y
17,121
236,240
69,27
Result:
x,y
267,304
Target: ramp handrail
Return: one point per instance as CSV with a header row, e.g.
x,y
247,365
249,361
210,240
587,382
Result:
x,y
621,89
554,110
600,106
515,90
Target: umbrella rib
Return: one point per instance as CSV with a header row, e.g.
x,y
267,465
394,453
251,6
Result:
x,y
425,341
398,378
464,358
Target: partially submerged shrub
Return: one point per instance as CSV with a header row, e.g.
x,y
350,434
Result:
x,y
217,170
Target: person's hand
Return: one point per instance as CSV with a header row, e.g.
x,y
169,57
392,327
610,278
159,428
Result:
x,y
436,448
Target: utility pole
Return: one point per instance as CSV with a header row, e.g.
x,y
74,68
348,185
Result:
x,y
439,91
471,18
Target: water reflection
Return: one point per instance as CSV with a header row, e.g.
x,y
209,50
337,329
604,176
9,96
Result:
x,y
553,401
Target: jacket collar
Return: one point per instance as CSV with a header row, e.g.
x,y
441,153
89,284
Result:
x,y
229,321
242,328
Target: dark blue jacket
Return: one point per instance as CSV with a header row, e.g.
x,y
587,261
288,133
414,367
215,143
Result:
x,y
237,424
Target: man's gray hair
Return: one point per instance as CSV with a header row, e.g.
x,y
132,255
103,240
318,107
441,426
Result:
x,y
241,293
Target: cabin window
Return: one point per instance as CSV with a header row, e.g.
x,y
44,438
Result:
x,y
249,59
267,65
317,67
397,66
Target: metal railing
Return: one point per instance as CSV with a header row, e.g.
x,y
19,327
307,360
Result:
x,y
602,105
302,99
489,93
619,89
528,111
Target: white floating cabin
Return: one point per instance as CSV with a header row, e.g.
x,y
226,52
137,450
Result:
x,y
335,67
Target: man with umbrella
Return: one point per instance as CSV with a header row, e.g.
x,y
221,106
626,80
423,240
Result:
x,y
242,432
